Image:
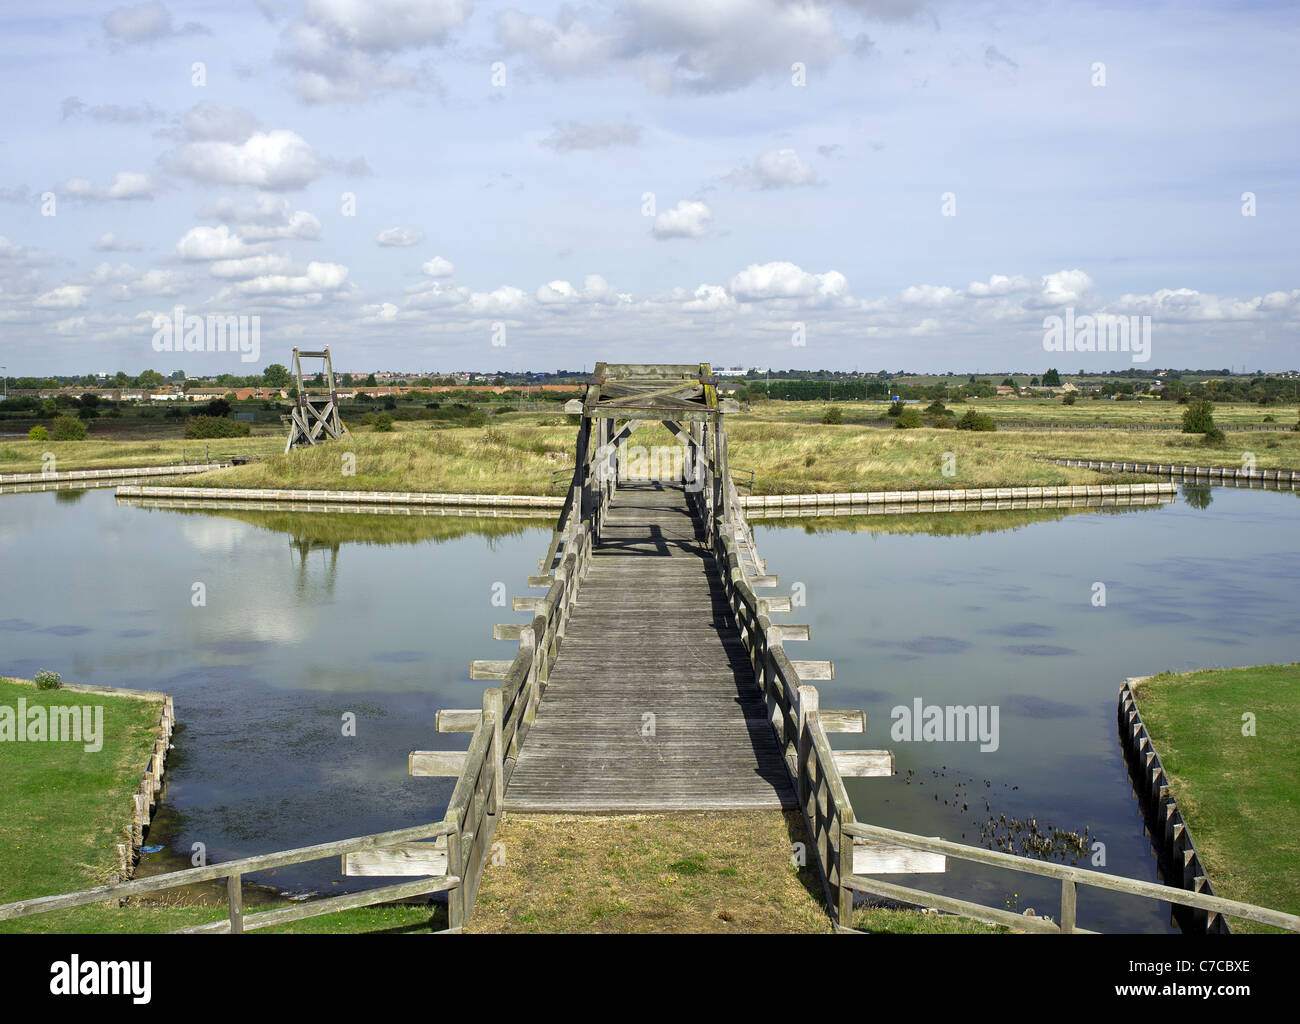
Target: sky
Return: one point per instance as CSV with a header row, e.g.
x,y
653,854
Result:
x,y
435,185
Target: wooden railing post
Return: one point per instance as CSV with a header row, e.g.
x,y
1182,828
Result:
x,y
844,912
807,706
235,897
1069,903
455,866
492,713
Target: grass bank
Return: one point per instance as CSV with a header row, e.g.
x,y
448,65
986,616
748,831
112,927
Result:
x,y
64,809
1237,792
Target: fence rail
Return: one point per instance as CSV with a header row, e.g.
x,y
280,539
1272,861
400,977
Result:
x,y
233,871
1069,877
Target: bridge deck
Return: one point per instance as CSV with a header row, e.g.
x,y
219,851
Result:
x,y
650,634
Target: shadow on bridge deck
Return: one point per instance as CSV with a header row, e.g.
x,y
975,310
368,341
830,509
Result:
x,y
652,704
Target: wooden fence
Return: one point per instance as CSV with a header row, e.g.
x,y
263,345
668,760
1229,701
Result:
x,y
233,871
1070,878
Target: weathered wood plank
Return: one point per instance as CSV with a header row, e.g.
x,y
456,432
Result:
x,y
408,859
864,764
439,763
456,719
843,721
871,857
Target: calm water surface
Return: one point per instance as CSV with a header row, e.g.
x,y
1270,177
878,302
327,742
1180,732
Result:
x,y
311,616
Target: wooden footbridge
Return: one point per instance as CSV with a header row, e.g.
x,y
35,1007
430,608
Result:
x,y
650,678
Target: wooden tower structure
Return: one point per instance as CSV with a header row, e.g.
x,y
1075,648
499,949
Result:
x,y
315,417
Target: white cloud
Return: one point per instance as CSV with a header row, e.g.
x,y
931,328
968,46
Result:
x,y
126,185
399,237
1065,287
319,277
145,23
781,280
777,168
111,242
67,296
341,49
267,218
387,25
567,48
438,267
206,243
688,219
250,266
273,160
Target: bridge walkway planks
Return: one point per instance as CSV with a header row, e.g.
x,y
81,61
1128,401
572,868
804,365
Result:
x,y
650,634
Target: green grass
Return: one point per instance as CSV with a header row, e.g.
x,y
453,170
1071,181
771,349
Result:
x,y
1238,793
65,809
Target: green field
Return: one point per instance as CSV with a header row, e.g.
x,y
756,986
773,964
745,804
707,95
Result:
x,y
1237,793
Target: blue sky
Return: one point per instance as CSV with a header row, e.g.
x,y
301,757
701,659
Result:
x,y
947,176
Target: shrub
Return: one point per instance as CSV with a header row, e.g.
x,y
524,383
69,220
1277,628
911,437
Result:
x,y
1198,417
942,422
833,415
908,419
383,423
809,460
973,420
48,680
215,426
67,428
1213,436
1068,399
895,408
38,433
937,407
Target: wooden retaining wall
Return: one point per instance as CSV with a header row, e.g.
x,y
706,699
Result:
x,y
1210,474
108,474
345,497
811,501
1179,862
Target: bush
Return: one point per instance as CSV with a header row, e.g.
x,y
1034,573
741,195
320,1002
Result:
x,y
908,419
38,433
1198,417
202,427
67,428
973,420
48,680
937,407
383,423
895,408
832,415
1068,399
1213,436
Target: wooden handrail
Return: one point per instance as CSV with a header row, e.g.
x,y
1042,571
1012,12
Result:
x,y
211,872
1073,876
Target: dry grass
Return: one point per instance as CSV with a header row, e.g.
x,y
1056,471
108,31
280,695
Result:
x,y
703,872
